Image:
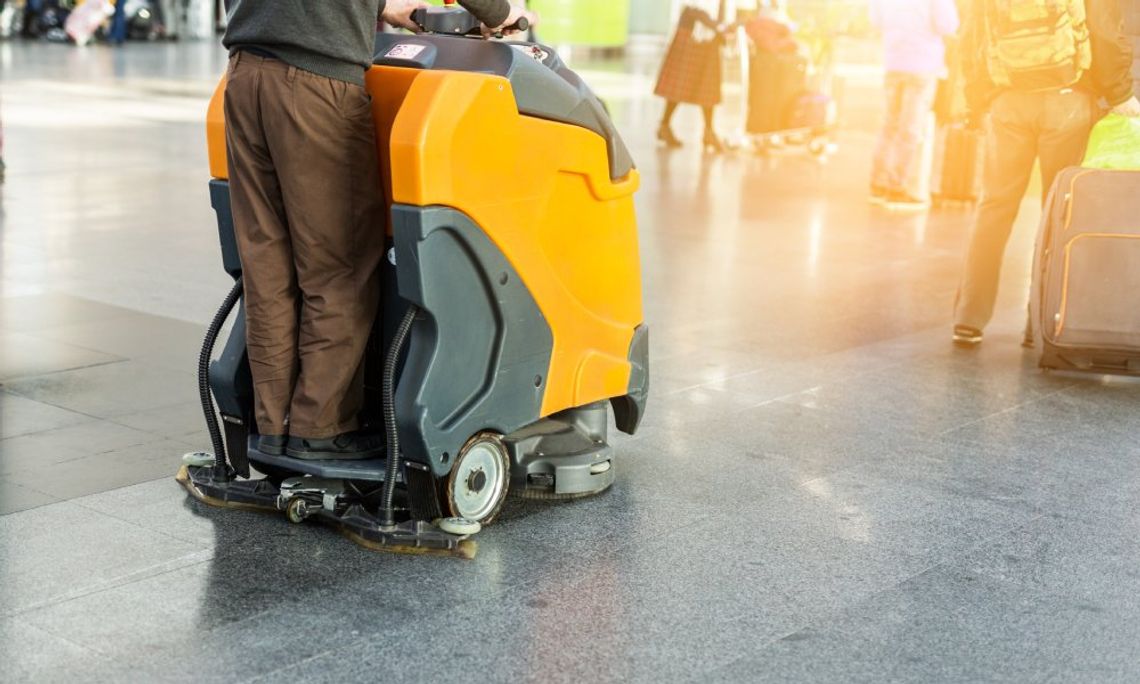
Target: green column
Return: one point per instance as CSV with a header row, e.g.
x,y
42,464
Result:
x,y
590,23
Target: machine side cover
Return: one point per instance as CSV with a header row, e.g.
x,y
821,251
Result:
x,y
629,409
478,356
220,201
230,378
545,90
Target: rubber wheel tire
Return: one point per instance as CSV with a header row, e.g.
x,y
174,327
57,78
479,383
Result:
x,y
293,511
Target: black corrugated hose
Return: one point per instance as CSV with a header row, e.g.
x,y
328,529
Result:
x,y
387,508
215,329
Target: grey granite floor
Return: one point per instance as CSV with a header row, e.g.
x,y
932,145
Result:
x,y
824,489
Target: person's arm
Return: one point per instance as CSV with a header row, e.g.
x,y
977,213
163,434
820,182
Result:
x,y
398,13
1111,51
706,19
493,13
979,86
946,20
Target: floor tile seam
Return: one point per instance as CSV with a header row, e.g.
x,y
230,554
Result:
x,y
828,614
37,335
1014,471
375,636
984,540
1008,409
117,317
871,596
1055,593
91,454
77,502
5,477
104,418
271,674
134,578
117,420
86,649
21,378
496,598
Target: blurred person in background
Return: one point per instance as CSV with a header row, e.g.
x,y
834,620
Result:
x,y
1042,104
914,39
691,73
118,32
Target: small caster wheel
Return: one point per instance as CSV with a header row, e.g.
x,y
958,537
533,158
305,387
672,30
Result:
x,y
297,511
461,527
198,459
818,148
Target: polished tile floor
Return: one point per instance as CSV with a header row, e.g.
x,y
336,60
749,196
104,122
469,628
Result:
x,y
825,490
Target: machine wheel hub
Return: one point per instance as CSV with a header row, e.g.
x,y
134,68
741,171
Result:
x,y
476,481
479,479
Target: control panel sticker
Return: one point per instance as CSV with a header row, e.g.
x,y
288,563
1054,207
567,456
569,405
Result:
x,y
533,51
405,51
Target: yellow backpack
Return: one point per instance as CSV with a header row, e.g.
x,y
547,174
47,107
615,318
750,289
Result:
x,y
1035,45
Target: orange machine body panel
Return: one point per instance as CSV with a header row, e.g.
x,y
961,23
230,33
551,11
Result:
x,y
542,192
216,133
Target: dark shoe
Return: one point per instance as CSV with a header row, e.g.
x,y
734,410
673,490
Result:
x,y
878,195
900,200
665,135
272,445
351,446
1027,341
967,337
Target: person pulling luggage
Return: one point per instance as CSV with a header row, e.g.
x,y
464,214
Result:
x,y
691,73
308,209
1038,70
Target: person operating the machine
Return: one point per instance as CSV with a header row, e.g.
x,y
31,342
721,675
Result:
x,y
303,172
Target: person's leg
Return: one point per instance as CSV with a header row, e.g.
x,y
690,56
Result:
x,y
712,141
1011,150
264,245
884,150
709,116
916,99
665,130
119,23
325,147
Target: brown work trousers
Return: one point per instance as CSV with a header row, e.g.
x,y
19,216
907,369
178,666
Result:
x,y
310,221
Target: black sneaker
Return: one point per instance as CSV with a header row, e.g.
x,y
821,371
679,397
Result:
x,y
900,200
272,445
965,336
350,446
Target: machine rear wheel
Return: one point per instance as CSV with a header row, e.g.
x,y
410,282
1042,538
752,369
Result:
x,y
478,483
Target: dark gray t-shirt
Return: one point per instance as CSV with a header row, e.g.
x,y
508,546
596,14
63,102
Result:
x,y
332,38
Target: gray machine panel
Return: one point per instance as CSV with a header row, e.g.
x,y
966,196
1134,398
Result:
x,y
479,352
544,86
629,409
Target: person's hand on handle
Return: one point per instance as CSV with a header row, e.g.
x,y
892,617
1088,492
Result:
x,y
1131,108
398,13
505,28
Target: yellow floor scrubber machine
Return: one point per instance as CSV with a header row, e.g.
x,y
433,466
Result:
x,y
512,317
